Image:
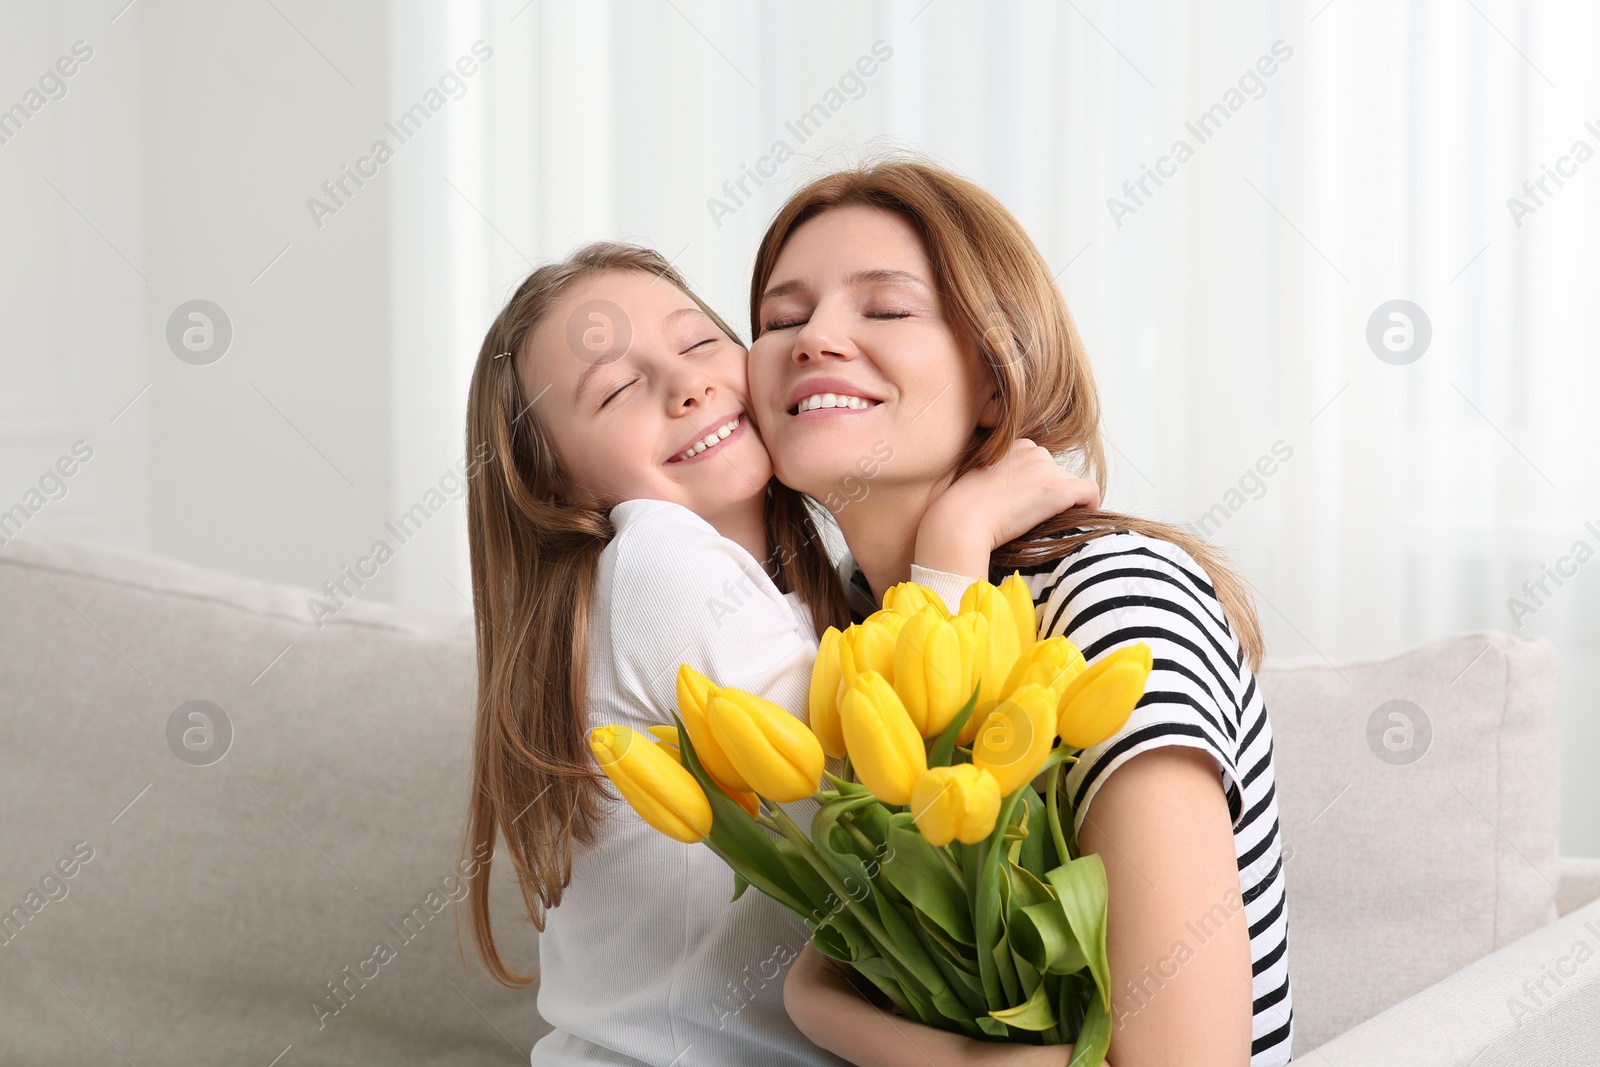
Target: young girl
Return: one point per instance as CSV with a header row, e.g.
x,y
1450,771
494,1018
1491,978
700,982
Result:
x,y
917,293
626,522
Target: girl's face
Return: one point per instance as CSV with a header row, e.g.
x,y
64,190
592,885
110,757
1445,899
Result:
x,y
630,376
852,309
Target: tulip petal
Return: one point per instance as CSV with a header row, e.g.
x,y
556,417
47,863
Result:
x,y
886,750
653,783
1017,594
823,703
694,693
1098,702
1017,736
958,803
774,752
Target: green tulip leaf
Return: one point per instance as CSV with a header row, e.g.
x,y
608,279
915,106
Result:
x,y
1035,1013
1075,992
915,870
845,787
829,908
992,1026
1042,935
740,842
872,820
833,944
740,884
1031,855
1027,889
940,751
905,938
877,971
1081,889
1094,1037
847,866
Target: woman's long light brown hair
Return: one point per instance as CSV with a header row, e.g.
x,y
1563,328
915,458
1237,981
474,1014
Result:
x,y
997,289
535,540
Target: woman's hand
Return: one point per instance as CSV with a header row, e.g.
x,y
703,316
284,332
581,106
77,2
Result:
x,y
827,1001
985,508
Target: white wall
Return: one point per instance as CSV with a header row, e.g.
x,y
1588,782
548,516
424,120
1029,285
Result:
x,y
1224,315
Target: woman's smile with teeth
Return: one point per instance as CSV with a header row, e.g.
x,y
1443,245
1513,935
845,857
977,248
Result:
x,y
710,440
833,400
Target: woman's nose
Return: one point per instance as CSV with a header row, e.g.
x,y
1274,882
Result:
x,y
822,335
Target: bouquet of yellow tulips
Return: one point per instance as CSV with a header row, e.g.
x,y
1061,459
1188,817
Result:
x,y
933,865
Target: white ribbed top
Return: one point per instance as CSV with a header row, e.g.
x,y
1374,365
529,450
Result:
x,y
645,961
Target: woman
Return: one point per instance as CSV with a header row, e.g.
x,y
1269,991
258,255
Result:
x,y
918,293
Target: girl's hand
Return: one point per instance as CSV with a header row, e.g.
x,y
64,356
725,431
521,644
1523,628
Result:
x,y
827,1001
985,508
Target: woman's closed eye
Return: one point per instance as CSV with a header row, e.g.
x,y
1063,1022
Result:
x,y
789,324
617,391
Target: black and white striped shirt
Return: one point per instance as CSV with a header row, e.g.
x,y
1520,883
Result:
x,y
1122,588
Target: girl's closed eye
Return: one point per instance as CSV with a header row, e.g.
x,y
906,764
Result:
x,y
623,386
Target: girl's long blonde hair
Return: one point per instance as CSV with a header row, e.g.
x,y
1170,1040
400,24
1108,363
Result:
x,y
535,541
997,289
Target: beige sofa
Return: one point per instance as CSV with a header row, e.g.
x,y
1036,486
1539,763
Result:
x,y
290,901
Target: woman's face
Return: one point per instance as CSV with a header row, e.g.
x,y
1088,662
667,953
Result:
x,y
852,309
629,376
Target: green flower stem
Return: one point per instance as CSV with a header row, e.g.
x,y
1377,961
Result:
x,y
1053,811
986,888
781,822
856,833
943,852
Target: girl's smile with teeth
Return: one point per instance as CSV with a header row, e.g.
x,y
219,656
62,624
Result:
x,y
711,440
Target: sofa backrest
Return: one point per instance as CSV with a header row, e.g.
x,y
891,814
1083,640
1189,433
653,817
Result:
x,y
1421,816
297,891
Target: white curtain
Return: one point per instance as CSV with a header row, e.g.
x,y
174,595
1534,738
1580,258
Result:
x,y
1342,155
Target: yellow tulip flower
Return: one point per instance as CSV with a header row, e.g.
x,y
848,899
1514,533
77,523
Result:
x,y
772,750
908,598
1098,701
1015,591
653,783
868,646
974,630
1055,662
1005,641
823,709
694,695
667,741
955,803
934,665
889,617
886,751
1017,736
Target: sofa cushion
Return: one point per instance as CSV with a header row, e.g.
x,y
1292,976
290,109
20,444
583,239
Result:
x,y
1420,807
211,902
